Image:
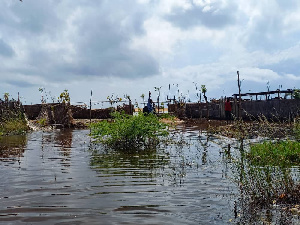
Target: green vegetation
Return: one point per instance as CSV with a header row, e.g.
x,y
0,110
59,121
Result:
x,y
64,97
167,116
296,94
130,132
282,153
262,187
12,118
266,173
42,122
13,126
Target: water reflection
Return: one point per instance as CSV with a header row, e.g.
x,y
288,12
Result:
x,y
146,163
63,179
12,147
63,139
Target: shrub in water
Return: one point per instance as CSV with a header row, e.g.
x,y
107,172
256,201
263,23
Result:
x,y
13,126
129,132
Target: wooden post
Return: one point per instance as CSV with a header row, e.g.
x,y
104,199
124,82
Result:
x,y
130,107
91,107
158,105
240,97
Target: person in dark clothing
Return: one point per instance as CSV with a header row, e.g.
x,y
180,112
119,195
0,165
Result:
x,y
228,108
149,108
149,105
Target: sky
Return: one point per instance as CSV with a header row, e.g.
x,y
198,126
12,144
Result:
x,y
128,47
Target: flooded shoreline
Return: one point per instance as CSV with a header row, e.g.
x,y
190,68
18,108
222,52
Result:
x,y
60,178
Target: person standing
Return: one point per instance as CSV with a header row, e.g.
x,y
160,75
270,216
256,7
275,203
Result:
x,y
228,108
150,104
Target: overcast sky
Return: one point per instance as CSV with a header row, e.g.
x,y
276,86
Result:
x,y
131,46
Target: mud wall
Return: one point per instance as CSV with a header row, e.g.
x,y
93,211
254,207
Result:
x,y
32,111
197,110
274,109
78,112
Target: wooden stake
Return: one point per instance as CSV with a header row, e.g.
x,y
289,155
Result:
x,y
240,97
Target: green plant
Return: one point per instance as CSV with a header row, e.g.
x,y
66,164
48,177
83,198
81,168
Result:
x,y
204,90
42,121
263,187
281,153
64,97
166,116
112,99
143,97
13,126
6,96
296,94
129,132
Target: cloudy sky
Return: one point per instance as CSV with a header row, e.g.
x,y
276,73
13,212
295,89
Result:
x,y
128,47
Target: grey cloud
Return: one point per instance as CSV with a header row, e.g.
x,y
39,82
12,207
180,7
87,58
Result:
x,y
36,17
288,66
102,44
130,64
101,38
20,84
5,49
195,16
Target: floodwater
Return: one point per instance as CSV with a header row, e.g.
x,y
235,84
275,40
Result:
x,y
60,177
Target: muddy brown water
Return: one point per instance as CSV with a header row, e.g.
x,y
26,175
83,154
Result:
x,y
60,177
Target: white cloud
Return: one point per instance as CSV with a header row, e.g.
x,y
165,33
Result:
x,y
140,44
258,75
293,77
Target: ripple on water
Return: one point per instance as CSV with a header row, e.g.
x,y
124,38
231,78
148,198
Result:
x,y
58,178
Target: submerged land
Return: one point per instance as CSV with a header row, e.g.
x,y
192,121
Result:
x,y
263,152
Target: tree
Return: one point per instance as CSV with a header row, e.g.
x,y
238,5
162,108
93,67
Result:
x,y
64,97
143,97
6,96
204,90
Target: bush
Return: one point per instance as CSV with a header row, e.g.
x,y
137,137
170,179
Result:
x,y
129,132
13,126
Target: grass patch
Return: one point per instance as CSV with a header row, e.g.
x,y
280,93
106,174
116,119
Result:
x,y
281,153
129,132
